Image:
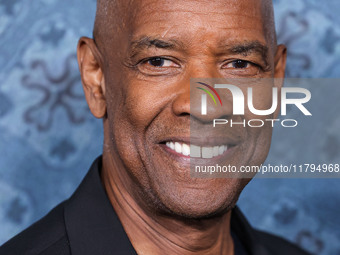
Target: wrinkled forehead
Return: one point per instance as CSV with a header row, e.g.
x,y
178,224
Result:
x,y
171,16
252,8
130,17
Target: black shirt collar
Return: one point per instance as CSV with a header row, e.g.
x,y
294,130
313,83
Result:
x,y
246,234
93,226
91,223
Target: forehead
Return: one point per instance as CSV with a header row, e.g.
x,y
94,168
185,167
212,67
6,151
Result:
x,y
189,19
216,7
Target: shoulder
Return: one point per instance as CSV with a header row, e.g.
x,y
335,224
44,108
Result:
x,y
259,242
277,245
46,236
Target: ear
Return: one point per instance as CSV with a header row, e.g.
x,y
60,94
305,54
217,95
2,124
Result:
x,y
280,61
279,73
92,77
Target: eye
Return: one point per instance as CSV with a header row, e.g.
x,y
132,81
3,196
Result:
x,y
155,66
241,68
238,64
160,62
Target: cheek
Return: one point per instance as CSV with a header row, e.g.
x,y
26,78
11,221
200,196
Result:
x,y
263,98
258,136
260,139
143,103
133,107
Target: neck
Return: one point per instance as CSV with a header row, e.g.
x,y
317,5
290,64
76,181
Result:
x,y
153,233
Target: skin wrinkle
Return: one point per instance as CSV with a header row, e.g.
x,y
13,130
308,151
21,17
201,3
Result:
x,y
166,32
160,206
183,246
104,20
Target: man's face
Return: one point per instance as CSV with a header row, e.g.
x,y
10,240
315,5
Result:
x,y
147,71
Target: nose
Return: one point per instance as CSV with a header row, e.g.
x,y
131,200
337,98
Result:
x,y
194,91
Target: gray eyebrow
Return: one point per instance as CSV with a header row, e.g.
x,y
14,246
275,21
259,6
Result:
x,y
244,48
247,48
147,42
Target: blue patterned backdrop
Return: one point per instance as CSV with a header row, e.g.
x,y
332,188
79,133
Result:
x,y
48,137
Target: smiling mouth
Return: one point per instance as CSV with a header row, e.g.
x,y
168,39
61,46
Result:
x,y
196,151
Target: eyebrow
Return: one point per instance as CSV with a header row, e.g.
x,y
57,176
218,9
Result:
x,y
244,48
147,42
247,48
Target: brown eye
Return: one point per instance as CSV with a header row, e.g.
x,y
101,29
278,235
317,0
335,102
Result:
x,y
158,62
240,64
240,68
158,66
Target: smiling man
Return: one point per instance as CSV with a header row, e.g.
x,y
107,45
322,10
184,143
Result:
x,y
139,196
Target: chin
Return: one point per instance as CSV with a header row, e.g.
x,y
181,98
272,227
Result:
x,y
199,203
194,213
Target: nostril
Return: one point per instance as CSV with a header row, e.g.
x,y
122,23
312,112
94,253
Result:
x,y
184,114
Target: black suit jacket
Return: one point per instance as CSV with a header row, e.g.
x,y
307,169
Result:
x,y
86,224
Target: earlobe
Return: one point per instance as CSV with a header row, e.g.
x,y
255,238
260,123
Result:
x,y
92,77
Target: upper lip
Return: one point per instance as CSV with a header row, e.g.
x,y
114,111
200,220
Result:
x,y
203,141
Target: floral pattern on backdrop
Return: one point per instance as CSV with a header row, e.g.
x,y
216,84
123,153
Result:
x,y
48,137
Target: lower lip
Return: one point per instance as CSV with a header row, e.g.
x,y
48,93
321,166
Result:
x,y
187,159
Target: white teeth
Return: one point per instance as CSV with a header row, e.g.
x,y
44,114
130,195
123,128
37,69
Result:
x,y
215,151
221,149
207,152
197,151
185,149
178,147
